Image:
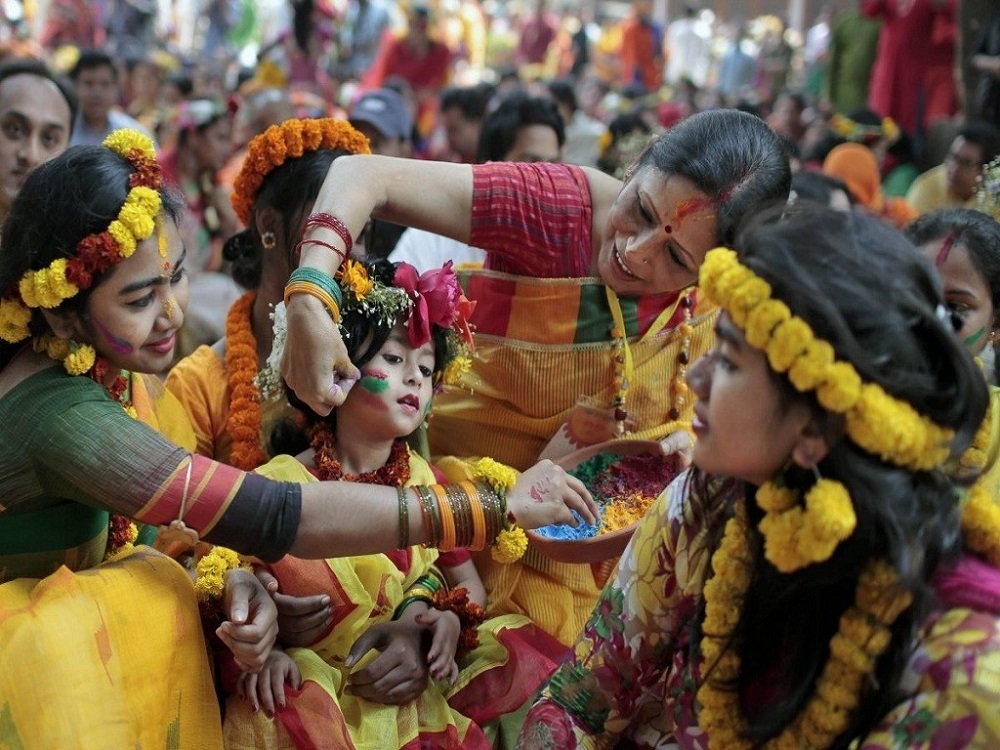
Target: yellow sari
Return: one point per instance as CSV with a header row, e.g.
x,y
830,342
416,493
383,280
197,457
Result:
x,y
110,656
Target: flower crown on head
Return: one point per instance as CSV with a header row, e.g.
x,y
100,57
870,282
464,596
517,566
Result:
x,y
289,140
63,278
433,298
877,422
799,533
858,132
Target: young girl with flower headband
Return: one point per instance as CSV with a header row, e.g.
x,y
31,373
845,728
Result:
x,y
92,276
824,577
423,611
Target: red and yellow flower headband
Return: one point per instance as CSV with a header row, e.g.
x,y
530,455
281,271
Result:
x,y
64,278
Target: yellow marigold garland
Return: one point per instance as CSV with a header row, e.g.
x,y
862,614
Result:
x,y
795,537
863,636
511,543
211,569
244,421
876,421
980,511
289,140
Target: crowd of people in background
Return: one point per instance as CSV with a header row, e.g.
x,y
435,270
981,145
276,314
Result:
x,y
203,76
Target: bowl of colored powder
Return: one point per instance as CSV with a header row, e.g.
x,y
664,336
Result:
x,y
624,477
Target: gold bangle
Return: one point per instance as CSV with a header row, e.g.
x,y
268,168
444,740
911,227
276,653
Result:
x,y
447,519
313,290
404,518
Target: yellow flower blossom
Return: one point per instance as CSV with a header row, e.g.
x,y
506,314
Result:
x,y
14,320
509,546
80,360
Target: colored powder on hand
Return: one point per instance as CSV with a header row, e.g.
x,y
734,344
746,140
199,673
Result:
x,y
623,486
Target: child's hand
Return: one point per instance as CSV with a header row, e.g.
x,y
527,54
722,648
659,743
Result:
x,y
446,628
251,624
266,688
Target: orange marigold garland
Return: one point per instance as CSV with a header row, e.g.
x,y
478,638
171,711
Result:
x,y
244,421
289,140
470,616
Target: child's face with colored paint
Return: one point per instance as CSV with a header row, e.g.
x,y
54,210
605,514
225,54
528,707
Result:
x,y
132,317
966,292
394,393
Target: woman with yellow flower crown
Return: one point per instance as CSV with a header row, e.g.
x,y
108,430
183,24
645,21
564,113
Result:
x,y
421,609
822,577
92,276
586,314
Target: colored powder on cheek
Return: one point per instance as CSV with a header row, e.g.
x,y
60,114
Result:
x,y
974,338
120,346
374,384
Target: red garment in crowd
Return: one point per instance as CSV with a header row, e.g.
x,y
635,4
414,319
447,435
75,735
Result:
x,y
899,83
642,61
427,71
536,36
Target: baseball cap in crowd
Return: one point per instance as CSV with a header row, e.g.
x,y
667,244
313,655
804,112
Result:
x,y
384,110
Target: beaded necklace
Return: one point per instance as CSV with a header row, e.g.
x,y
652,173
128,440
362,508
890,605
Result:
x,y
122,533
624,366
394,473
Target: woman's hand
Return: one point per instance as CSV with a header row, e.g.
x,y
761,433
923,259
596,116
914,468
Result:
x,y
266,689
399,674
315,363
546,494
302,620
252,624
445,628
678,444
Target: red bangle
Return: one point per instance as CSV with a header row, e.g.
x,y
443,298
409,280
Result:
x,y
328,221
333,248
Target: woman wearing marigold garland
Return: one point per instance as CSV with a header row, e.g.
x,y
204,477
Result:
x,y
274,190
102,291
563,359
824,577
422,610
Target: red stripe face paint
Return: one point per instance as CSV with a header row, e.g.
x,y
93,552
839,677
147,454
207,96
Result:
x,y
118,345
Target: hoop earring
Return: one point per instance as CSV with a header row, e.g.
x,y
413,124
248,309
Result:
x,y
268,240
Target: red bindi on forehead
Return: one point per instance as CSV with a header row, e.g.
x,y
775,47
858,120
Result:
x,y
689,209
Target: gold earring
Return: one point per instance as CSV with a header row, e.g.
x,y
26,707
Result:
x,y
268,240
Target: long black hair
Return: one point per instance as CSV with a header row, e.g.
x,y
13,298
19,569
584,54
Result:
x,y
861,287
78,193
731,156
288,189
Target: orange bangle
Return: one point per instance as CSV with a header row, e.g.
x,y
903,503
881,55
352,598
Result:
x,y
478,517
447,518
306,287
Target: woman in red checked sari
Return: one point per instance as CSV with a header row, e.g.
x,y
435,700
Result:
x,y
92,290
422,610
587,316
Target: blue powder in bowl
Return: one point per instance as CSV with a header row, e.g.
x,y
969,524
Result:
x,y
563,531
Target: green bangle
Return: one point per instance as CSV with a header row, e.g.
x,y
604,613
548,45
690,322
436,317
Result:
x,y
322,280
407,601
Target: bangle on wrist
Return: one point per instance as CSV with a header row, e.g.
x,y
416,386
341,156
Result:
x,y
328,221
310,289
